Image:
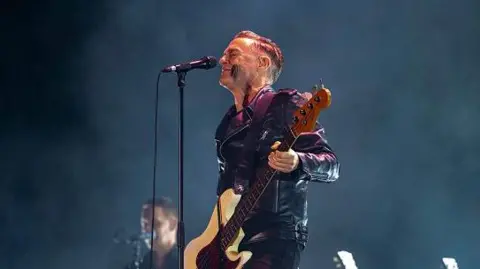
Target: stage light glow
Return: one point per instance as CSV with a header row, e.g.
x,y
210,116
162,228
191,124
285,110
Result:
x,y
449,263
344,259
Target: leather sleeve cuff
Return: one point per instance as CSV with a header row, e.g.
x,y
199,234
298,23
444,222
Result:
x,y
300,173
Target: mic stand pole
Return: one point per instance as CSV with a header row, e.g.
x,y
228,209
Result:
x,y
181,227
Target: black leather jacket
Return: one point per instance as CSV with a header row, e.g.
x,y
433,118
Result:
x,y
282,210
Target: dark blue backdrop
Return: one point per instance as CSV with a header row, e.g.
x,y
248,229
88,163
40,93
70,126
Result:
x,y
77,114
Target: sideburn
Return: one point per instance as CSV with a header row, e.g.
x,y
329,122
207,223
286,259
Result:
x,y
235,71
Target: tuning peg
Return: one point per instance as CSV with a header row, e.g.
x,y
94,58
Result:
x,y
317,87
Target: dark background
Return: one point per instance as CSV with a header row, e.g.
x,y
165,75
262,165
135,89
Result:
x,y
77,110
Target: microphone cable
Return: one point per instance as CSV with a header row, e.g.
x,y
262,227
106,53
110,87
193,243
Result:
x,y
154,181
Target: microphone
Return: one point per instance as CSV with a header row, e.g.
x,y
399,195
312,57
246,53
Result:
x,y
206,62
134,238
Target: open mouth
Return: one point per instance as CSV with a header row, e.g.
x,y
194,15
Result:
x,y
226,72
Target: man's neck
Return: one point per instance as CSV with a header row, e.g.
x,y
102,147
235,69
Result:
x,y
239,96
160,256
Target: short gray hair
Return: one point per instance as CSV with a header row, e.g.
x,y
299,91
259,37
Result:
x,y
270,48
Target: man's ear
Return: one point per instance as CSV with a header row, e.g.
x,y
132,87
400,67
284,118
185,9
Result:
x,y
264,62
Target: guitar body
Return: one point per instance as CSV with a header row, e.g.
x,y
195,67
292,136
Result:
x,y
203,252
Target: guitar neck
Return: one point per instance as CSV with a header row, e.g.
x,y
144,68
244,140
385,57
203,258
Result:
x,y
248,202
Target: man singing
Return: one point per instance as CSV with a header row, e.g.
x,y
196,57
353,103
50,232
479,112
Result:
x,y
165,227
276,230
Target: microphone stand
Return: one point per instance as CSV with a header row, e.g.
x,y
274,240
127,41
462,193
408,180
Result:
x,y
137,257
181,70
181,226
137,251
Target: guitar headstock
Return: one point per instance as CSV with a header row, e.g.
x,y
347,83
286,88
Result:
x,y
344,259
305,118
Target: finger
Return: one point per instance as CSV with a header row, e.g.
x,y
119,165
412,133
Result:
x,y
281,167
286,165
282,155
286,161
282,161
275,145
274,165
285,156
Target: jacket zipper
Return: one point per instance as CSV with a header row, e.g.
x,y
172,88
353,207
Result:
x,y
228,137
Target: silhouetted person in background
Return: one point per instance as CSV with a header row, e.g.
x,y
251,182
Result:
x,y
165,222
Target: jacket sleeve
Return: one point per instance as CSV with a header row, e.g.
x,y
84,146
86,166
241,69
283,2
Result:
x,y
317,160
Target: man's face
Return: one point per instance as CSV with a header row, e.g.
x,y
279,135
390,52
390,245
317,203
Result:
x,y
165,227
239,64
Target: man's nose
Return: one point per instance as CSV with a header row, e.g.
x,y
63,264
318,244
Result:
x,y
222,60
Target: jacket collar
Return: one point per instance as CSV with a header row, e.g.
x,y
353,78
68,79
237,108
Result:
x,y
251,106
221,134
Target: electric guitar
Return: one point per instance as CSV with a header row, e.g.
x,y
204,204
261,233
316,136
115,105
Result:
x,y
218,248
